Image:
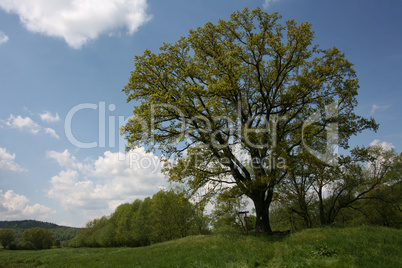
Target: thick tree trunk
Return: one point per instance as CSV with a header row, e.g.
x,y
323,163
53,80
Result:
x,y
262,201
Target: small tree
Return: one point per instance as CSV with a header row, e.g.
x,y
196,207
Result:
x,y
39,237
7,237
227,207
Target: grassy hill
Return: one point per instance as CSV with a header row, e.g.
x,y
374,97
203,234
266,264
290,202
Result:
x,y
62,233
321,247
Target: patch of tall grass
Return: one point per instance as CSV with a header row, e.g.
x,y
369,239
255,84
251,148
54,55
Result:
x,y
318,247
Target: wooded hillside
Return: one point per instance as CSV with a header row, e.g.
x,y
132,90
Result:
x,y
63,233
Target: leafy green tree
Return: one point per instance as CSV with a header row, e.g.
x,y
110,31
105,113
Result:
x,y
7,237
107,234
141,224
296,196
357,190
383,204
90,236
39,237
124,215
380,207
356,176
172,216
247,86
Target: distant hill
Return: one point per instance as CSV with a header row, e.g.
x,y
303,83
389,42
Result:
x,y
63,233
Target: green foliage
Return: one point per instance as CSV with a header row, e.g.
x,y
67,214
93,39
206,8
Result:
x,y
172,216
57,243
27,224
7,237
38,238
123,216
228,204
253,86
141,223
168,215
324,250
364,188
63,233
380,207
317,247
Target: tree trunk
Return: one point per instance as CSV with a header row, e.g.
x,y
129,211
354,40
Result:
x,y
262,201
321,206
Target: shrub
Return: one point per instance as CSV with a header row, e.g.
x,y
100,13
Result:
x,y
40,238
7,237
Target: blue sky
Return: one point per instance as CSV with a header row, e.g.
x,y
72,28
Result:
x,y
68,61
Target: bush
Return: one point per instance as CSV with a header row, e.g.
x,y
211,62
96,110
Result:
x,y
40,238
26,246
7,237
12,246
57,243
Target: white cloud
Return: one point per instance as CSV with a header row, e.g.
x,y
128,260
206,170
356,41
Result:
x,y
23,124
377,166
267,3
3,38
52,133
78,21
64,159
49,118
15,207
28,125
96,188
375,107
7,161
388,146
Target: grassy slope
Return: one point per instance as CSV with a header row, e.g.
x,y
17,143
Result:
x,y
323,247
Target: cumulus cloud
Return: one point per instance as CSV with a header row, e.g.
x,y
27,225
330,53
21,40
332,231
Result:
x,y
378,166
49,118
23,124
26,124
97,187
3,38
64,159
15,207
375,107
267,3
388,146
78,21
52,133
7,161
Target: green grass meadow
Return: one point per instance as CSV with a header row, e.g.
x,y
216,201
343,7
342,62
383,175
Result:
x,y
320,247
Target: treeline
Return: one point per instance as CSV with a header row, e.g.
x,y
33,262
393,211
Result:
x,y
62,233
362,189
32,239
167,215
28,224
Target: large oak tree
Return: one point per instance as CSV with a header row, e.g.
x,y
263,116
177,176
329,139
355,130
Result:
x,y
242,101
